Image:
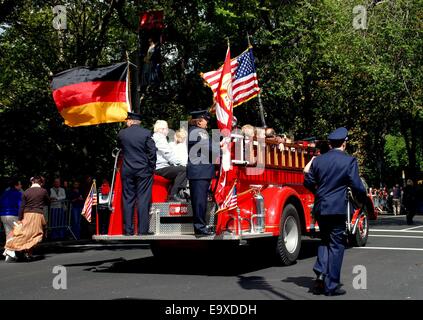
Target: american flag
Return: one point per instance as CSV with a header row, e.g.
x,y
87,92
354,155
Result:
x,y
90,202
244,78
231,201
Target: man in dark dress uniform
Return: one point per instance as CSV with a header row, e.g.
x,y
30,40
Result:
x,y
139,161
329,177
200,169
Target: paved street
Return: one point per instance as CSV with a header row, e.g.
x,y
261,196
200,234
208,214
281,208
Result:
x,y
393,261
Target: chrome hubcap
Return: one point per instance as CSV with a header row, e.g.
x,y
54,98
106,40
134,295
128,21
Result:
x,y
290,234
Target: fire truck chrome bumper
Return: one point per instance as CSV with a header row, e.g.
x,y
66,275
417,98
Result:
x,y
227,236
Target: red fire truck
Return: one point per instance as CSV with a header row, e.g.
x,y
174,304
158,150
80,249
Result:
x,y
272,204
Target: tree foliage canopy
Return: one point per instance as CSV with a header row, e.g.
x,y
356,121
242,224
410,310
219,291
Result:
x,y
316,72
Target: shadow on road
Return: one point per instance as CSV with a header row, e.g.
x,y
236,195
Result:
x,y
218,260
308,248
305,282
198,264
259,283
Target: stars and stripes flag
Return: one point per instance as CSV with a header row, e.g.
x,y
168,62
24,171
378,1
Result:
x,y
244,78
90,202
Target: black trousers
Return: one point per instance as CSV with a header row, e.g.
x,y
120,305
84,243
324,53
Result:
x,y
199,192
137,189
178,174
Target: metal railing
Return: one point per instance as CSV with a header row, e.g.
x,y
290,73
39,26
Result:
x,y
59,220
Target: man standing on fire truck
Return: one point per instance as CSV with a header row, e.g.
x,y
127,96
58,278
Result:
x,y
329,177
200,169
139,161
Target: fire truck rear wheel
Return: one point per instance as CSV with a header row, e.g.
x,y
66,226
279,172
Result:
x,y
289,239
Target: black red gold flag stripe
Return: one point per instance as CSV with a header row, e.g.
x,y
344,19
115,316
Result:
x,y
88,96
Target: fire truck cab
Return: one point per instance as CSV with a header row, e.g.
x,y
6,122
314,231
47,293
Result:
x,y
272,203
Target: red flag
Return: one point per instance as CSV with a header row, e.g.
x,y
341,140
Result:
x,y
90,202
223,98
224,115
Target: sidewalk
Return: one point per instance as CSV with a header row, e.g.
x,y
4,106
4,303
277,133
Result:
x,y
60,243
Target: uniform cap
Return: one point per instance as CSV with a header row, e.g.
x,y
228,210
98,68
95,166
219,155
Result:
x,y
133,116
339,134
200,114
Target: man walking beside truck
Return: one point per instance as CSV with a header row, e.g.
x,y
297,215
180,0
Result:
x,y
329,177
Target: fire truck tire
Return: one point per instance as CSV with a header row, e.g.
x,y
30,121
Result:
x,y
289,240
359,239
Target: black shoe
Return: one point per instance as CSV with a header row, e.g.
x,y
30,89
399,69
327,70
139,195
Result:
x,y
148,233
319,285
204,233
338,292
128,234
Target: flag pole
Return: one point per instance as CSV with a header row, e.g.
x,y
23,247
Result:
x,y
96,210
129,82
248,40
261,108
263,121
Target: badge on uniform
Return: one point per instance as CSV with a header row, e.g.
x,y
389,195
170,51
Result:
x,y
203,135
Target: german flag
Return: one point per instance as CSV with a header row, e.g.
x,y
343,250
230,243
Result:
x,y
87,96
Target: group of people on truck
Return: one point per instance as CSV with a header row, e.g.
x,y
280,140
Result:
x,y
146,155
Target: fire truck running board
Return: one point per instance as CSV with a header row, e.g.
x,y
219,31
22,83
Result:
x,y
226,236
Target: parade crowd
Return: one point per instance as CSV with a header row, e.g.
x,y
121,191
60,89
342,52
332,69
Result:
x,y
396,200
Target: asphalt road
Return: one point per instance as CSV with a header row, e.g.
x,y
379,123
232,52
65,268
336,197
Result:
x,y
389,267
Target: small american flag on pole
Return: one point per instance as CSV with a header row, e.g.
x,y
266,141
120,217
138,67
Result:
x,y
244,78
231,201
90,202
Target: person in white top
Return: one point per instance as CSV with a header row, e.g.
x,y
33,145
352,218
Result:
x,y
57,194
168,165
179,146
57,210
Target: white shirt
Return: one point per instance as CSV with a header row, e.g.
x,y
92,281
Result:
x,y
59,194
181,152
165,155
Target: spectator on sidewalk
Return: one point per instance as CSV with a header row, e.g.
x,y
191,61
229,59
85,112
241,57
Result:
x,y
409,201
57,210
29,232
103,208
77,203
396,199
10,201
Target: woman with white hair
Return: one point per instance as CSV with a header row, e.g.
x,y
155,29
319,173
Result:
x,y
168,165
179,146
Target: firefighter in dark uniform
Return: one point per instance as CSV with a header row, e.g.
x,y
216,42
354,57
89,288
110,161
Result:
x,y
200,169
139,161
329,177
